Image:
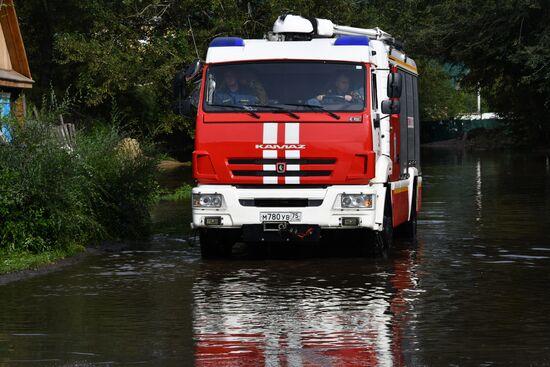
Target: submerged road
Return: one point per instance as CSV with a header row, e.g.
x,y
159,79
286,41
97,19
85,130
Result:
x,y
472,291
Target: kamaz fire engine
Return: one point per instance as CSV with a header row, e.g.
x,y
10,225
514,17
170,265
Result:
x,y
310,132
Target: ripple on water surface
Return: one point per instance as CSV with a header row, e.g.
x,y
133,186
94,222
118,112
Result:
x,y
473,291
284,314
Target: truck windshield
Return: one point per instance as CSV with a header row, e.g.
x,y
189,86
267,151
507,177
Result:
x,y
288,85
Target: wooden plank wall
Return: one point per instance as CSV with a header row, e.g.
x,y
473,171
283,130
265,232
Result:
x,y
14,41
5,62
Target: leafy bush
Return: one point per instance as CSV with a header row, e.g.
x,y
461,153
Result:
x,y
43,201
53,197
123,181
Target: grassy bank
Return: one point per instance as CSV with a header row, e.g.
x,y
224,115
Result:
x,y
56,196
12,261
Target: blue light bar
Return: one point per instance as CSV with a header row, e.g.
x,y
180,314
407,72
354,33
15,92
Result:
x,y
227,42
352,41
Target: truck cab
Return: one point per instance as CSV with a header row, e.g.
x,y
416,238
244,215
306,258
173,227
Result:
x,y
301,134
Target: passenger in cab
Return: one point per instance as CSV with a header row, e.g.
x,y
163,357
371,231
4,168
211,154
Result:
x,y
232,92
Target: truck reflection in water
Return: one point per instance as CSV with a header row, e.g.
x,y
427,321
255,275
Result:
x,y
303,314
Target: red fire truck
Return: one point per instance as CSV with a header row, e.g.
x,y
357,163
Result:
x,y
310,132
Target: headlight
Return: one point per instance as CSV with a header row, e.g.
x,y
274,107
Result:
x,y
356,201
207,200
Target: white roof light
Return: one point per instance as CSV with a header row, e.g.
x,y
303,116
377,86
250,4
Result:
x,y
292,24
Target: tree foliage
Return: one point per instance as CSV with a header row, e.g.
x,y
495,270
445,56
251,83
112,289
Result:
x,y
504,47
125,53
440,98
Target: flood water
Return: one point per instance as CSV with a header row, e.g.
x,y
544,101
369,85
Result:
x,y
474,290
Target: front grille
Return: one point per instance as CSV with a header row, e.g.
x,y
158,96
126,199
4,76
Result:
x,y
277,186
287,173
295,167
282,160
281,203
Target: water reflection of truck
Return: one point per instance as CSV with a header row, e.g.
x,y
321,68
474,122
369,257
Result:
x,y
286,314
286,151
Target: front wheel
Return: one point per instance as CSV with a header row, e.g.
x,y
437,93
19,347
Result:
x,y
384,238
409,228
214,245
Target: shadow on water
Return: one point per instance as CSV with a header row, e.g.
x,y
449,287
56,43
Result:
x,y
326,249
173,217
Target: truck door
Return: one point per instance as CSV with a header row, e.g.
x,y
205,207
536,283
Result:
x,y
403,126
416,123
409,124
411,144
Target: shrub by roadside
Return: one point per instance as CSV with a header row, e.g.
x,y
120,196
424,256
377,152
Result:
x,y
54,199
43,194
123,180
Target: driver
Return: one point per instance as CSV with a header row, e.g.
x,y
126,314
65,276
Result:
x,y
252,83
342,88
233,92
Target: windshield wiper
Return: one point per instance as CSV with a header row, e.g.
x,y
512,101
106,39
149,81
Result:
x,y
278,109
315,107
237,107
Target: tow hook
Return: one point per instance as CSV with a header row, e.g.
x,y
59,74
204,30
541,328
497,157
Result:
x,y
308,232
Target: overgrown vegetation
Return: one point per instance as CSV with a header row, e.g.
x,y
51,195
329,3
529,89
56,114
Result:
x,y
123,181
55,197
503,48
127,52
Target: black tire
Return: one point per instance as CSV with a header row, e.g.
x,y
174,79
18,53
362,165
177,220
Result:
x,y
384,238
214,245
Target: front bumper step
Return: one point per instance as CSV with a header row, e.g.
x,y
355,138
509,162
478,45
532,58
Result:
x,y
281,232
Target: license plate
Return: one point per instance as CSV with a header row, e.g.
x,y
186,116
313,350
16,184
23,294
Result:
x,y
280,217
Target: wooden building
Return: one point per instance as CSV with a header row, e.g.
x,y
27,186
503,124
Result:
x,y
15,75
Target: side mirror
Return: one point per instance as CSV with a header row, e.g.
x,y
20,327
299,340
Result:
x,y
184,107
183,103
187,105
391,106
193,71
394,85
180,92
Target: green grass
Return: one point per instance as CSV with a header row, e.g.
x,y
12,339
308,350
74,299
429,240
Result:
x,y
16,261
181,193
